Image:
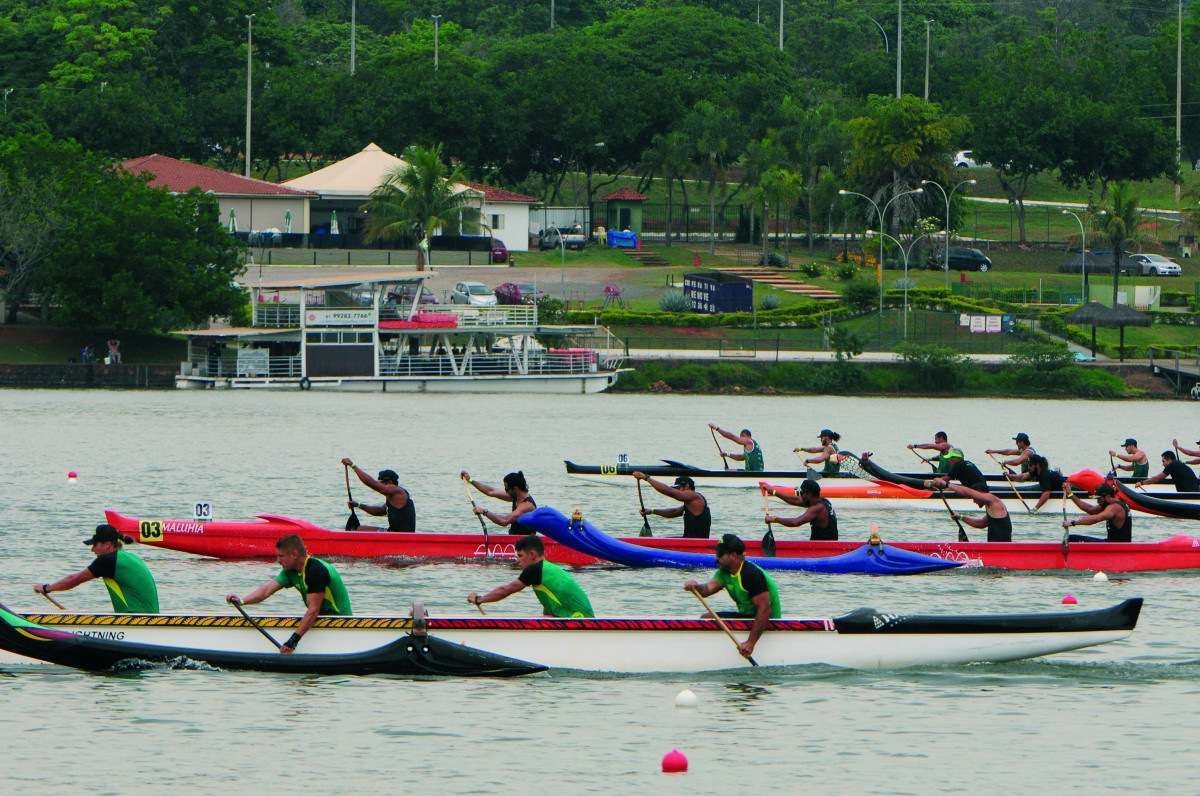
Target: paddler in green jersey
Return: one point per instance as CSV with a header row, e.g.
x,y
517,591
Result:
x,y
319,584
941,444
1138,462
127,578
752,589
827,452
751,453
555,589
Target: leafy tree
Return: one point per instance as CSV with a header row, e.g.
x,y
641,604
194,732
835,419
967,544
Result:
x,y
419,197
668,156
714,143
1120,226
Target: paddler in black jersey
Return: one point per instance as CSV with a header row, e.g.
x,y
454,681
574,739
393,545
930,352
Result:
x,y
963,471
397,504
818,511
1049,480
1115,515
515,490
995,514
697,519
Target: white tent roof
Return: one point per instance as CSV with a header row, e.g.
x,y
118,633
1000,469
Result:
x,y
356,176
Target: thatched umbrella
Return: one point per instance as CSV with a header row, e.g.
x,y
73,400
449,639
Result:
x,y
1096,314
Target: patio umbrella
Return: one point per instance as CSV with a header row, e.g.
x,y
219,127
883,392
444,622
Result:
x,y
333,225
287,222
232,220
1096,314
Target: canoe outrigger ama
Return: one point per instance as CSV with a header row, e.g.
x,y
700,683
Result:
x,y
351,332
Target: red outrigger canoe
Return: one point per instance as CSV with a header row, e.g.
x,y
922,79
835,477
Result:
x,y
255,539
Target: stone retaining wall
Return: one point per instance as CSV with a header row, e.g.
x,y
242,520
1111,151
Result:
x,y
75,376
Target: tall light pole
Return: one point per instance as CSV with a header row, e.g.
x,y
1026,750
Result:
x,y
437,25
899,44
551,14
1178,99
904,254
947,197
879,213
886,48
353,31
780,25
928,22
249,87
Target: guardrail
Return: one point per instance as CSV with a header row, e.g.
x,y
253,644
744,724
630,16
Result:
x,y
488,365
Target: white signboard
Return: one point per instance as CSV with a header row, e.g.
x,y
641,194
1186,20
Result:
x,y
964,319
993,324
344,317
978,324
202,511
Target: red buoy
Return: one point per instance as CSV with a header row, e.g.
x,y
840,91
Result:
x,y
674,762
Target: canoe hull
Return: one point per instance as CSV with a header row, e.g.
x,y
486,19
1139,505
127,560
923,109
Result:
x,y
255,539
864,639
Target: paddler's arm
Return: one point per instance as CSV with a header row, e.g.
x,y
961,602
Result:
x,y
490,491
1108,512
660,487
1090,508
1185,451
729,435
374,511
258,595
974,522
739,457
1003,452
793,522
677,511
497,594
1041,501
762,616
66,583
792,499
314,600
1123,457
1154,479
504,520
705,589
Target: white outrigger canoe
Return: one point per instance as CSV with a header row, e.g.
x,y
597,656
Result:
x,y
862,639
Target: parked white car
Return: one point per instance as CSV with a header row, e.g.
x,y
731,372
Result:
x,y
1155,265
476,294
965,159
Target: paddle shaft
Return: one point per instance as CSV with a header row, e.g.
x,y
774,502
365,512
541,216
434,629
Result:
x,y
482,525
1011,485
57,604
353,519
721,623
724,460
1066,540
256,625
642,503
932,466
962,532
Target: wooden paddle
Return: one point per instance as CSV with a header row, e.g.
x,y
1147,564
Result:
x,y
932,466
645,520
721,623
809,472
1011,485
768,540
56,603
724,460
1066,540
962,532
352,522
482,525
238,605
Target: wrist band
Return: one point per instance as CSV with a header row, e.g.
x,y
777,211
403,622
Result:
x,y
293,641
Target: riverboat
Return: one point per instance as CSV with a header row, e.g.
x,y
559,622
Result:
x,y
373,334
862,639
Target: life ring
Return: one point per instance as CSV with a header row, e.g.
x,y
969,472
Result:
x,y
305,383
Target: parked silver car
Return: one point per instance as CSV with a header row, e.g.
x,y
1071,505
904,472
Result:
x,y
1155,265
476,294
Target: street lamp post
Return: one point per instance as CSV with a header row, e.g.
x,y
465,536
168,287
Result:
x,y
353,30
551,14
780,25
947,197
437,24
928,22
886,47
899,45
904,255
249,87
1083,285
880,213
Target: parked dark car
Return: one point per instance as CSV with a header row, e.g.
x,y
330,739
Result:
x,y
961,258
497,251
518,293
404,294
572,237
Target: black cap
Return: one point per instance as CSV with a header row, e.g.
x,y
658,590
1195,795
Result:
x,y
1021,437
106,533
730,544
683,480
1129,441
388,475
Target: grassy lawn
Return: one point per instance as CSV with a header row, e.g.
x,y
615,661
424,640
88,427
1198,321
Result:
x,y
26,343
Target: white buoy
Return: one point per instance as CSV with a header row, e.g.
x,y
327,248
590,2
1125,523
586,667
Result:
x,y
686,699
1099,576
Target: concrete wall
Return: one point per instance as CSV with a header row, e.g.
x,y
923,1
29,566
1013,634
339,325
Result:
x,y
515,228
76,375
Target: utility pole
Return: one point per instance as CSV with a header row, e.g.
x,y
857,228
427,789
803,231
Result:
x,y
899,44
353,30
249,85
1178,99
551,14
780,25
928,22
437,25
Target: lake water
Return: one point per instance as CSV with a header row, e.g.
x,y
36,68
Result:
x,y
1105,720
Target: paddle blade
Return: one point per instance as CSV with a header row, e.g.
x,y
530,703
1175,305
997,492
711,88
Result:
x,y
352,522
812,474
645,530
768,545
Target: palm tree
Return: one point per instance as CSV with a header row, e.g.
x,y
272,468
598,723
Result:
x,y
1121,227
419,197
669,155
713,147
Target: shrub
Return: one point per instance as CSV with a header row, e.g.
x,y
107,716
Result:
x,y
770,301
1042,357
551,310
933,368
845,343
860,294
847,271
812,270
773,259
674,300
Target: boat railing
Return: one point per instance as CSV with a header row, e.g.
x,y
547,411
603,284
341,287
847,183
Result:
x,y
246,363
489,365
276,315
